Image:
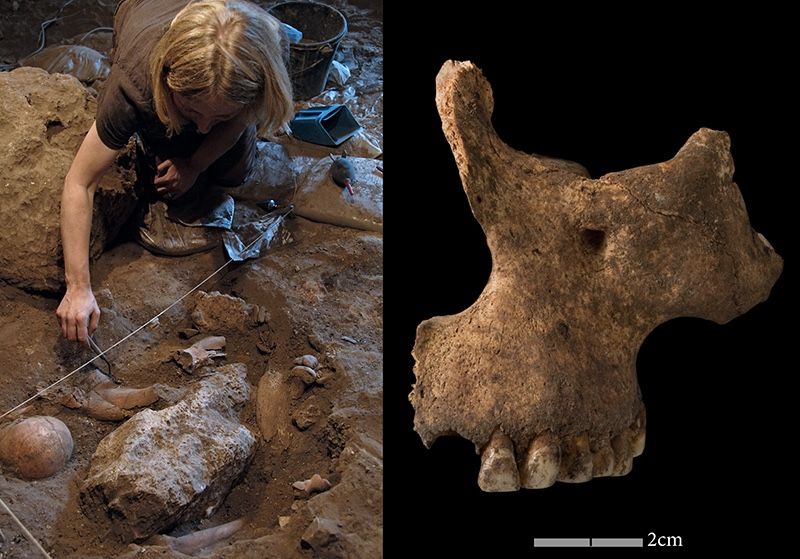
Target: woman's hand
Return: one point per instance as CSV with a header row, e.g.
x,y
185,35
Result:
x,y
79,314
174,177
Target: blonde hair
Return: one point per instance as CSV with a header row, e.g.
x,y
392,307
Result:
x,y
228,49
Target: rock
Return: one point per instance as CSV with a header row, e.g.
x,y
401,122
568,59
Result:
x,y
296,387
168,393
321,533
217,312
340,529
188,333
316,343
325,378
296,506
265,344
43,120
283,521
306,416
175,465
306,374
307,361
105,299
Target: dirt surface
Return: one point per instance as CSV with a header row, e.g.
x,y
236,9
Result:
x,y
323,296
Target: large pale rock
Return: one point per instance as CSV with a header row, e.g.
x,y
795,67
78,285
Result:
x,y
43,120
165,467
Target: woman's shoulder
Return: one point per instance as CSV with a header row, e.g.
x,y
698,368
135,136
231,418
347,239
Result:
x,y
138,26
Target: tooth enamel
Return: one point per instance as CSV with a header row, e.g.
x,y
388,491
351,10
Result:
x,y
541,465
637,443
603,460
638,436
498,466
576,460
622,453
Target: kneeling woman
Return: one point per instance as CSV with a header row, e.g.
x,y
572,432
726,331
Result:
x,y
197,83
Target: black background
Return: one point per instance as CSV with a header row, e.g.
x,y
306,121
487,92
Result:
x,y
611,91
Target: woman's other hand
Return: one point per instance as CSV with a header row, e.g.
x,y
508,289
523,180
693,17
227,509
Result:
x,y
174,177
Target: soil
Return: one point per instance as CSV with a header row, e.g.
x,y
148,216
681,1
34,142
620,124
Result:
x,y
324,296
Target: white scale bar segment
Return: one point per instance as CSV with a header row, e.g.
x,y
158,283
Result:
x,y
617,542
561,542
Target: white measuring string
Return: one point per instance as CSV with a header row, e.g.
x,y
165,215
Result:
x,y
139,329
25,531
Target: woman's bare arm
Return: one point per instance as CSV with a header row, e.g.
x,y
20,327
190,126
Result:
x,y
78,311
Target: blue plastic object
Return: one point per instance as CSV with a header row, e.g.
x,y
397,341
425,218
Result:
x,y
326,126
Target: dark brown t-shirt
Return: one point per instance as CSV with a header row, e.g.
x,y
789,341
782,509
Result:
x,y
126,104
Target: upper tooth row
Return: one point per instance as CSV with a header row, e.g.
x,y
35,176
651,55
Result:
x,y
549,459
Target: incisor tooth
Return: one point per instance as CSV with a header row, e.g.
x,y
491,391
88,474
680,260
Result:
x,y
498,466
542,462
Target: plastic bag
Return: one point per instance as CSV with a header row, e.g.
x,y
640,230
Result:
x,y
252,238
84,63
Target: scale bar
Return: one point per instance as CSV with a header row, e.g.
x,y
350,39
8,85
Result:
x,y
588,542
561,542
617,542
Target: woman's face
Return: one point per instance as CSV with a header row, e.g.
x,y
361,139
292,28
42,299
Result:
x,y
207,111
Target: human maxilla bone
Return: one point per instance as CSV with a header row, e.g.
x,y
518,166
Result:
x,y
540,372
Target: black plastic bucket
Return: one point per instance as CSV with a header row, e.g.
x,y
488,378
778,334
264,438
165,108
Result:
x,y
323,28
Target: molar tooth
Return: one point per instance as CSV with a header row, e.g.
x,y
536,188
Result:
x,y
639,422
638,435
498,466
542,462
576,459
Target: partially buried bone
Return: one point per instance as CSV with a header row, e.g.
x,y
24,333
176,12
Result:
x,y
194,542
540,372
317,484
200,354
99,397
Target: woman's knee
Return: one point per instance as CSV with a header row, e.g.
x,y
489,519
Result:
x,y
236,165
